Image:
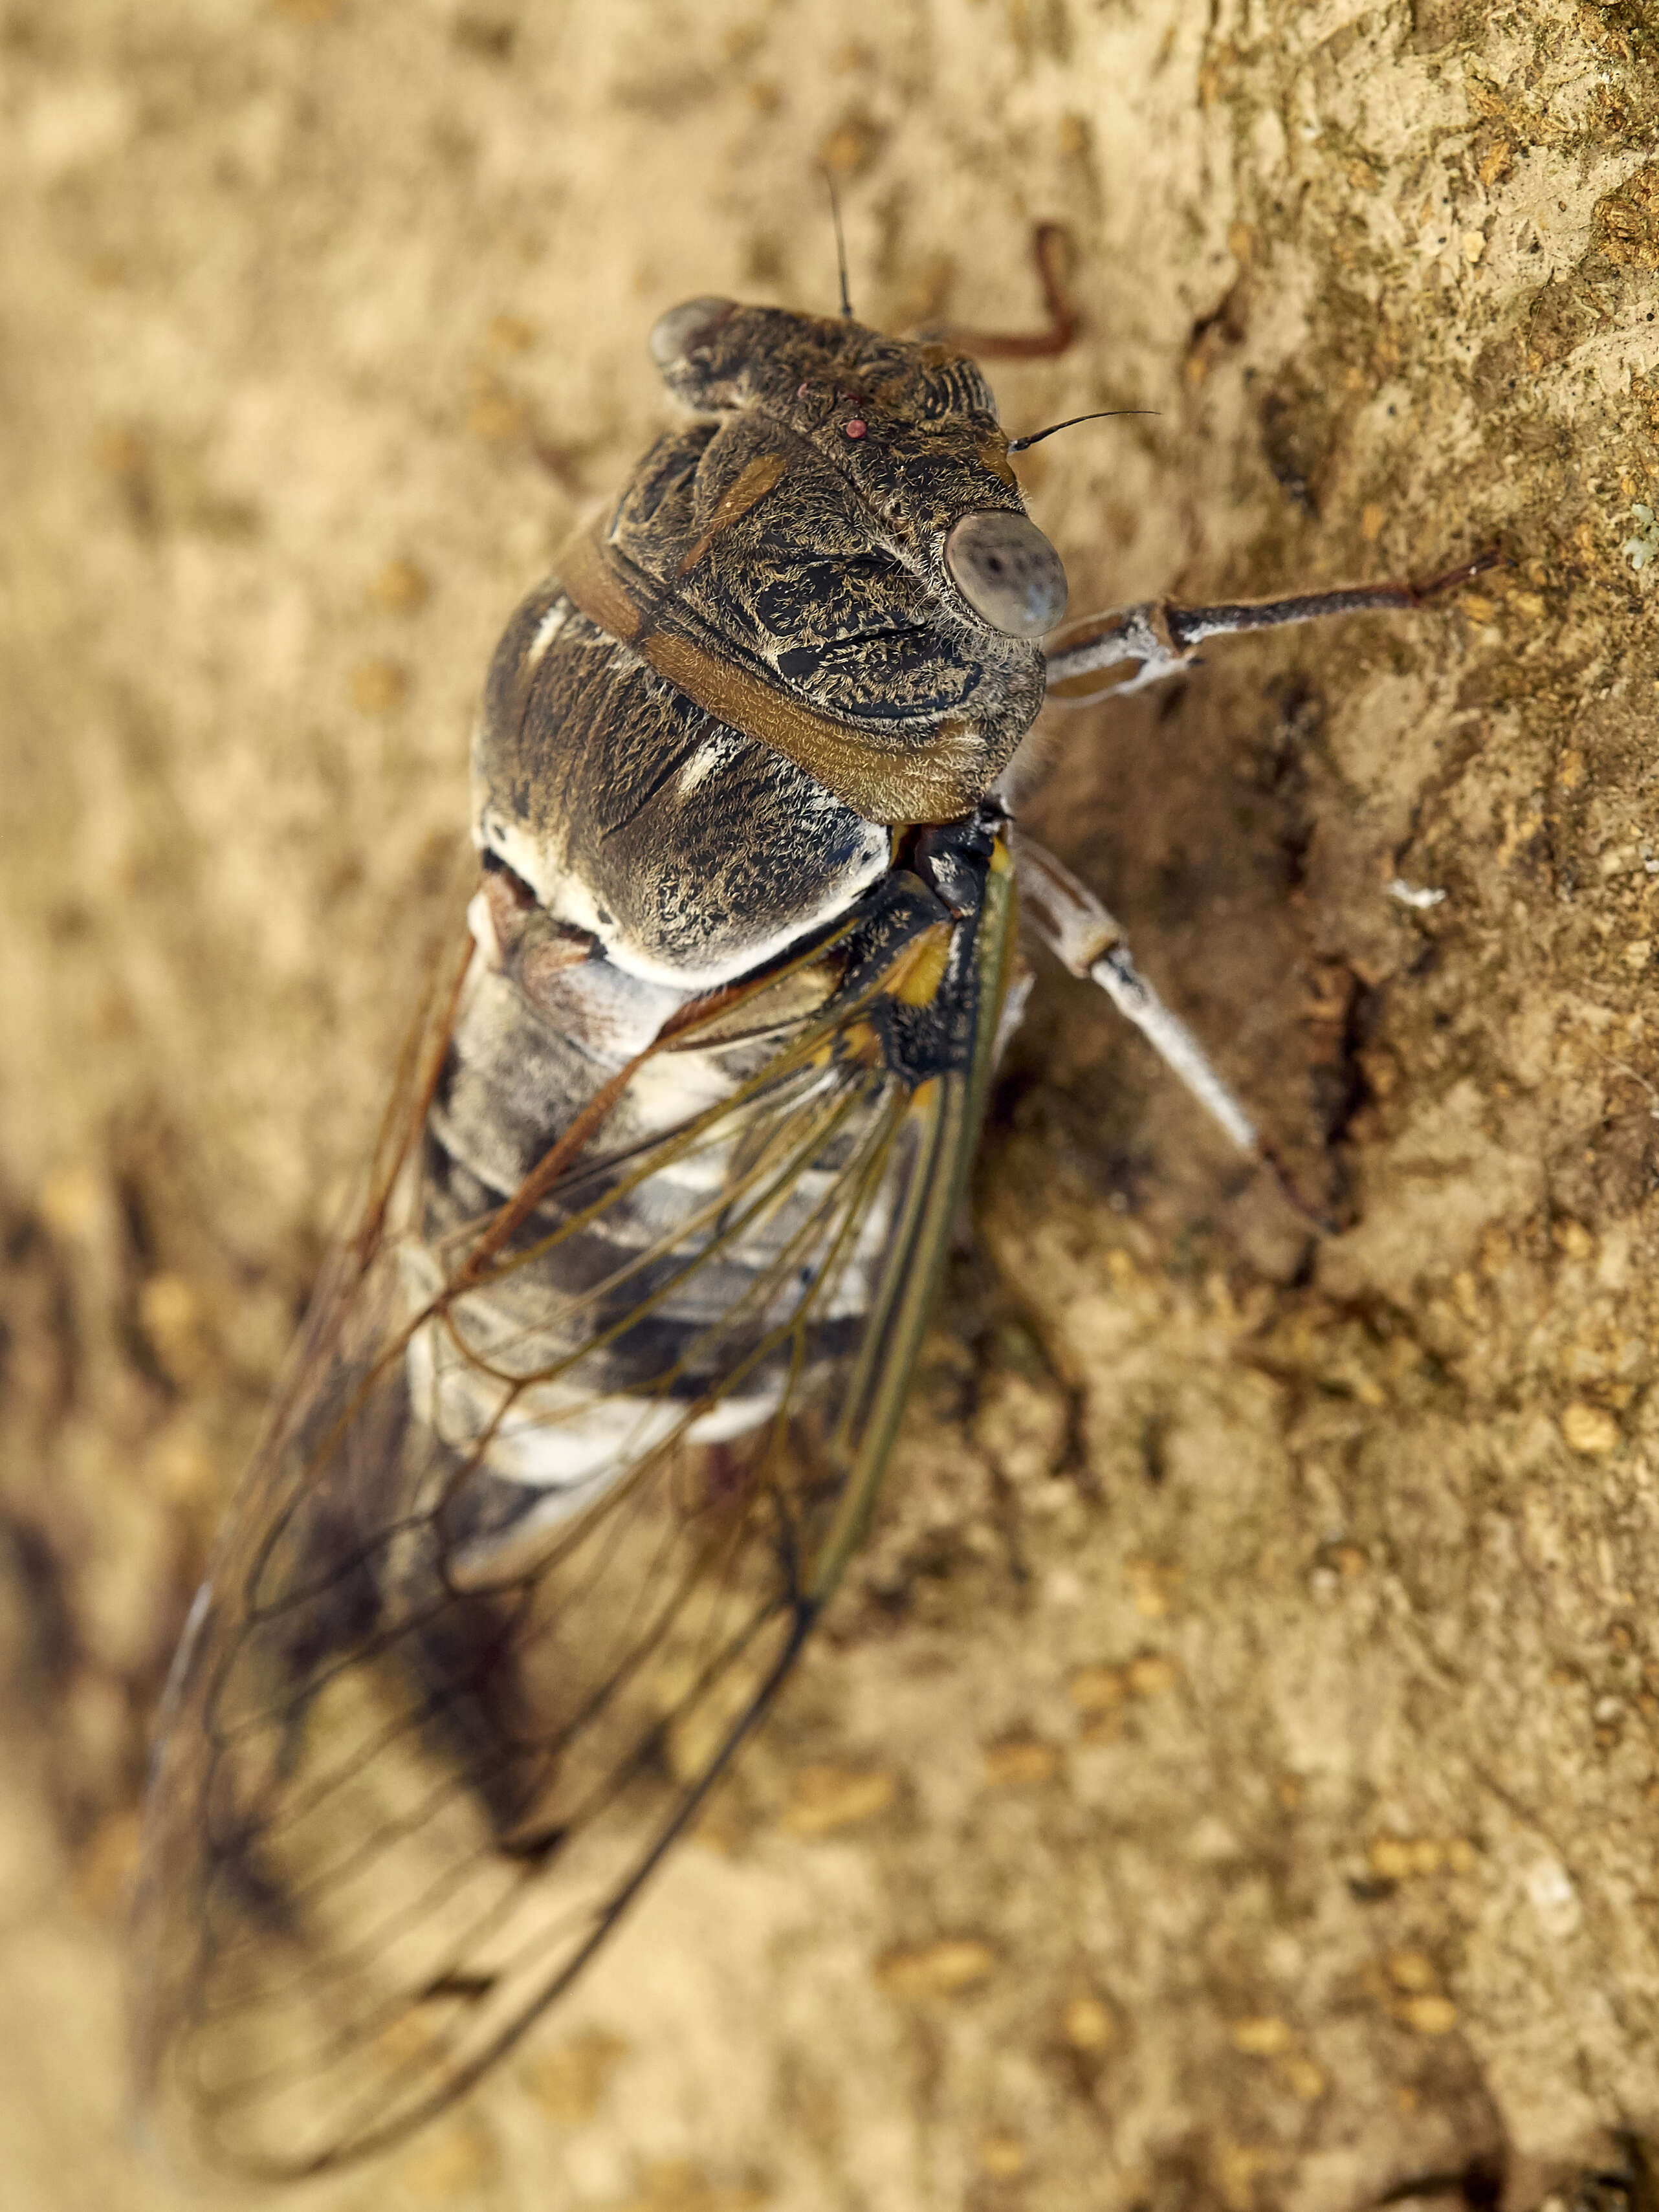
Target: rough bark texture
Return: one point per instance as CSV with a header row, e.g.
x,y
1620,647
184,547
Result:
x,y
1232,1777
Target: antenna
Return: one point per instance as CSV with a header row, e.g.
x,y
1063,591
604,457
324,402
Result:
x,y
840,243
1106,415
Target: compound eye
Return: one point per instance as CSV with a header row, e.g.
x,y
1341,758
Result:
x,y
676,332
1007,571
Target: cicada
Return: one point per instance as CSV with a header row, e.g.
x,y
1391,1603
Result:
x,y
591,1408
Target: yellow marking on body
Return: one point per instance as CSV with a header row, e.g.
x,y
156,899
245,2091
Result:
x,y
858,1045
920,970
991,452
756,480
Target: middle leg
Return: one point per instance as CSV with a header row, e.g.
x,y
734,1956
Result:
x,y
1084,938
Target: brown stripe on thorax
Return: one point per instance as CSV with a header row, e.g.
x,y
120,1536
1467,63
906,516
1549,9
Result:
x,y
935,782
756,480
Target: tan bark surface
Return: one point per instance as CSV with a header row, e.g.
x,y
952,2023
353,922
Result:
x,y
1232,1777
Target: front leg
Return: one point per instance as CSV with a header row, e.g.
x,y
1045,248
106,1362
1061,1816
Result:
x,y
1161,636
1049,252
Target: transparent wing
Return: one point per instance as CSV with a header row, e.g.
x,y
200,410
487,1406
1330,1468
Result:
x,y
431,1729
